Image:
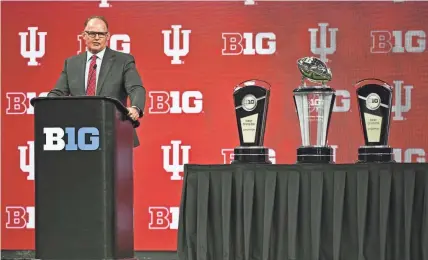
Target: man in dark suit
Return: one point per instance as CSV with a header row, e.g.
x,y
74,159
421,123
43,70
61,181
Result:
x,y
102,71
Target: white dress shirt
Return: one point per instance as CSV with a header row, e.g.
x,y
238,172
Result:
x,y
89,55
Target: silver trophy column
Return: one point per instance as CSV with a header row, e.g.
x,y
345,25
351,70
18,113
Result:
x,y
314,105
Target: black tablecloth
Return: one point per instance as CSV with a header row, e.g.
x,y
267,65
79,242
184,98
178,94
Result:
x,y
304,212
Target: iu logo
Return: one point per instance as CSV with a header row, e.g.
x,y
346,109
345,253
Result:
x,y
399,108
26,159
32,53
176,51
104,4
323,50
178,151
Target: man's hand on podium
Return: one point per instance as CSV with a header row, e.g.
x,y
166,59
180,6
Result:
x,y
133,113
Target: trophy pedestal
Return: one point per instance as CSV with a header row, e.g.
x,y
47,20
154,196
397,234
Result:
x,y
381,154
310,154
251,155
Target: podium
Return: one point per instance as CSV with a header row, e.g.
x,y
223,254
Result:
x,y
83,178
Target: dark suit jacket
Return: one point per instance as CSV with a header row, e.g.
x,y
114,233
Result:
x,y
118,78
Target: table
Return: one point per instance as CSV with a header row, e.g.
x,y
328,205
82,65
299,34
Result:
x,y
304,212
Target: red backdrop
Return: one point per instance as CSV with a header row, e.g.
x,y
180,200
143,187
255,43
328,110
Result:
x,y
190,56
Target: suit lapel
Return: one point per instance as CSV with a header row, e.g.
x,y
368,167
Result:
x,y
106,64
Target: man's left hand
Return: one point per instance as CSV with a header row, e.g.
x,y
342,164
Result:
x,y
133,113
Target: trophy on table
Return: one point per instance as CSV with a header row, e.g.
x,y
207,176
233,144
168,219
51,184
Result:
x,y
251,100
374,98
314,105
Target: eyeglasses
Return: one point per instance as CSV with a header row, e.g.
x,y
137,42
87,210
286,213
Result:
x,y
94,34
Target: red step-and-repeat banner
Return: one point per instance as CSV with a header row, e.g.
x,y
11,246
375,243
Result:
x,y
190,56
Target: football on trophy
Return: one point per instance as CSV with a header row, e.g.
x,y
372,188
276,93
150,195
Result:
x,y
314,69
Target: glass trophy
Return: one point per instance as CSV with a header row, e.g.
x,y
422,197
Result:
x,y
251,100
375,103
314,105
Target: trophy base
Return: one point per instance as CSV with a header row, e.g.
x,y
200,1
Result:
x,y
311,154
380,154
253,154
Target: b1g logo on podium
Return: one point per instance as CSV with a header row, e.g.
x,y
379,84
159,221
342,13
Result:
x,y
71,139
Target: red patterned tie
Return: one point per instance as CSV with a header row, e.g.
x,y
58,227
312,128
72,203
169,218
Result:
x,y
92,77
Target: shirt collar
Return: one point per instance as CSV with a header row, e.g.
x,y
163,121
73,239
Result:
x,y
100,55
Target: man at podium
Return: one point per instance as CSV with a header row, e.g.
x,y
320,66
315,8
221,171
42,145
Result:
x,y
102,71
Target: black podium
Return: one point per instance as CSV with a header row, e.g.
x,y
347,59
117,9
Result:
x,y
83,178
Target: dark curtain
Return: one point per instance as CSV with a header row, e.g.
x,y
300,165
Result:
x,y
304,212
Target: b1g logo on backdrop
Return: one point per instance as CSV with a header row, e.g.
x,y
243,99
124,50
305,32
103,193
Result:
x,y
164,217
19,217
409,155
18,103
71,139
228,155
33,47
117,42
176,102
398,41
263,43
342,103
